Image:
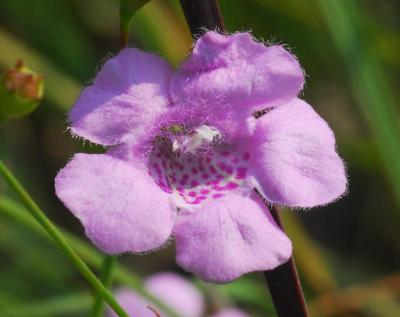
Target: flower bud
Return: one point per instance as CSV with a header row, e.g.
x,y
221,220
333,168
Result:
x,y
21,90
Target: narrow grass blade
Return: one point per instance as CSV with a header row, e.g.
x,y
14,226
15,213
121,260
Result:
x,y
370,86
59,239
15,211
58,306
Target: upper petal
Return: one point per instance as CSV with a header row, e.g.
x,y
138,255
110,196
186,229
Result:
x,y
238,72
126,97
120,206
295,162
229,237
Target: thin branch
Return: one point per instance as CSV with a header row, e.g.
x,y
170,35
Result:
x,y
202,14
284,284
106,277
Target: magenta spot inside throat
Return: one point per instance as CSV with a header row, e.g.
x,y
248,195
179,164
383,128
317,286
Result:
x,y
196,178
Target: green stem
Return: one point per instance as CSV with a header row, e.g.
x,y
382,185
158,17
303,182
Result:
x,y
39,215
18,213
127,9
106,277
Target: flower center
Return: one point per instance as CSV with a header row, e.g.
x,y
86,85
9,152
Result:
x,y
196,165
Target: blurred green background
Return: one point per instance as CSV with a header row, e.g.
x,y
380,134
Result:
x,y
348,253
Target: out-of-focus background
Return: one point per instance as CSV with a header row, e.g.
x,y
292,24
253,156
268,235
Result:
x,y
348,253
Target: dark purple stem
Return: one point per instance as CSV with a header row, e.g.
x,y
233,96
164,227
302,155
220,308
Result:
x,y
202,14
283,282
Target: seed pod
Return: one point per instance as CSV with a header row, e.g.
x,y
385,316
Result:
x,y
21,90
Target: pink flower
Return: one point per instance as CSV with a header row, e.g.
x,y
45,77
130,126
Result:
x,y
186,152
174,291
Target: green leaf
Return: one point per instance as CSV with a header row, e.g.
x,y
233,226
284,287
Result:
x,y
369,82
127,9
66,304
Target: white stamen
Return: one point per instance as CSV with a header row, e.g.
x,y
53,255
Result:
x,y
190,143
175,146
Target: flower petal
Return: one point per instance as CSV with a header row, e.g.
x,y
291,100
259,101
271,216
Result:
x,y
126,97
133,303
295,162
170,288
120,206
236,71
177,292
230,312
229,237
